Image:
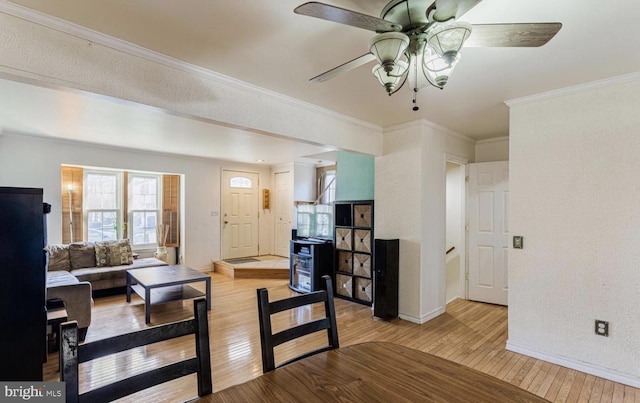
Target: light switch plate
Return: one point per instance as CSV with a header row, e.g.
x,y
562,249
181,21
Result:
x,y
518,242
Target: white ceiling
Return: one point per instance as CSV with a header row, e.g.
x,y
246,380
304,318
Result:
x,y
265,44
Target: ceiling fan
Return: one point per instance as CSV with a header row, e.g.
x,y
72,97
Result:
x,y
420,40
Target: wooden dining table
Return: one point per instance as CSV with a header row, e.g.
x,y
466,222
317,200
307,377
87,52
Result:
x,y
373,372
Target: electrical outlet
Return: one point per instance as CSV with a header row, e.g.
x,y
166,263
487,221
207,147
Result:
x,y
602,328
518,242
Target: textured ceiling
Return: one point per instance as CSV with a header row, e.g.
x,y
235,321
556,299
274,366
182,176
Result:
x,y
265,44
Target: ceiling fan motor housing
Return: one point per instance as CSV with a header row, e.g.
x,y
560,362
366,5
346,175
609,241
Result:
x,y
411,14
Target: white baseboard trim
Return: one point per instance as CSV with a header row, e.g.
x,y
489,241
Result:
x,y
424,318
577,365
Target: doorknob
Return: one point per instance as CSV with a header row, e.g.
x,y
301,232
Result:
x,y
226,222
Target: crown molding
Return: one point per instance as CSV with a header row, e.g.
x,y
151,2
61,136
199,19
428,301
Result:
x,y
493,140
427,123
576,89
79,31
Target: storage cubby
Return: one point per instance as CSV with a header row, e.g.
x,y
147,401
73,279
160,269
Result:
x,y
343,215
353,241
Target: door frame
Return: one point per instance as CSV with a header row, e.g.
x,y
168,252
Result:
x,y
464,258
222,195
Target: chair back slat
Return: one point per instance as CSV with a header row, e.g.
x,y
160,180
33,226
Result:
x,y
136,383
72,354
269,340
300,330
139,338
297,301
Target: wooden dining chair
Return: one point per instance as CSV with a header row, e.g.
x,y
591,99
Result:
x,y
72,354
269,340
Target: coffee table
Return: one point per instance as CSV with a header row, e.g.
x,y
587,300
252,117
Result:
x,y
158,285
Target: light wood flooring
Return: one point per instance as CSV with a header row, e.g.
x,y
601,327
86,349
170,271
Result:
x,y
470,333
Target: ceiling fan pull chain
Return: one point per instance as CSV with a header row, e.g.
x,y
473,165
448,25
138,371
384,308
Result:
x,y
415,100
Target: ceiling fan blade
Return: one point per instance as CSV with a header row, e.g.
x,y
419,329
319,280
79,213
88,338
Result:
x,y
347,17
512,35
448,9
343,68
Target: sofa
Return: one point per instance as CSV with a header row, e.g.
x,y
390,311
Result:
x,y
74,294
76,270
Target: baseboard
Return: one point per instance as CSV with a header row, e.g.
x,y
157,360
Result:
x,y
424,318
577,365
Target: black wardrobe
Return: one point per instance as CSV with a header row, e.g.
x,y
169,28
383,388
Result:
x,y
22,283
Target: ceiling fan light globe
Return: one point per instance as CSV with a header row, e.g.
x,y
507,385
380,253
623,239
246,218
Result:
x,y
448,37
394,79
437,69
388,47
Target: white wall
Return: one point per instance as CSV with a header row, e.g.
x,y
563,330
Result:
x,y
304,186
410,191
574,196
27,161
398,212
304,182
496,149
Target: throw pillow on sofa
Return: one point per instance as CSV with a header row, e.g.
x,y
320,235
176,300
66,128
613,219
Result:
x,y
82,254
119,253
101,250
58,258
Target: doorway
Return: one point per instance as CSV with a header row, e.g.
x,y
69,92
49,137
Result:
x,y
283,202
488,232
456,235
239,214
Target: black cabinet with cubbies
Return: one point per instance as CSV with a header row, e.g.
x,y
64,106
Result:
x,y
309,260
353,241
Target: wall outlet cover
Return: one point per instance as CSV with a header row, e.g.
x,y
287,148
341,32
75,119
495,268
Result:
x,y
602,328
518,242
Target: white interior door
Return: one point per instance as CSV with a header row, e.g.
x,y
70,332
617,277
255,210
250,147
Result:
x,y
488,231
239,214
283,204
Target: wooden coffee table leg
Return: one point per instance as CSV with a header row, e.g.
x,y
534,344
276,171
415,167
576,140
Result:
x,y
147,305
128,287
208,285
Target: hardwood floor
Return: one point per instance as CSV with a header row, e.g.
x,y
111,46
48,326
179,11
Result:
x,y
470,333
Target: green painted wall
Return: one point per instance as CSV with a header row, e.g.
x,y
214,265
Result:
x,y
355,176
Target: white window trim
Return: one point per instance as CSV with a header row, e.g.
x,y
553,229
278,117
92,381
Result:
x,y
117,209
130,177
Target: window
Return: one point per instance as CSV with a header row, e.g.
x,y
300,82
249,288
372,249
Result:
x,y
326,184
144,208
108,204
102,207
324,221
240,182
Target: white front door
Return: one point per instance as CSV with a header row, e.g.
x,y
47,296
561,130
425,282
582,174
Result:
x,y
488,231
283,205
239,214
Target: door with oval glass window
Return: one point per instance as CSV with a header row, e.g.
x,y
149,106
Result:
x,y
239,214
